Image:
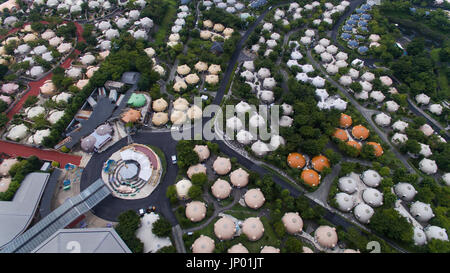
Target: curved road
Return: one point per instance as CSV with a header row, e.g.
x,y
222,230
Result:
x,y
111,207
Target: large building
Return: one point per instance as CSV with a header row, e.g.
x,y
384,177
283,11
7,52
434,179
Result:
x,y
91,240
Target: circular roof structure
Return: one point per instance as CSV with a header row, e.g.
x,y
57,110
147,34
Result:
x,y
199,168
221,189
382,119
405,191
341,134
428,166
244,137
371,178
310,177
421,211
292,222
363,213
345,121
160,118
254,198
434,232
225,228
326,236
260,148
347,184
320,162
344,201
296,160
239,178
183,187
270,249
159,105
88,143
203,244
238,248
253,228
6,165
202,152
419,237
360,132
446,178
378,150
373,197
178,117
222,165
195,211
234,124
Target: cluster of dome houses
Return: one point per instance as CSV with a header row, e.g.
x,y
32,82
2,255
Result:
x,y
5,178
74,7
358,134
235,124
230,6
215,31
227,227
359,193
261,81
130,21
28,47
184,76
356,28
179,23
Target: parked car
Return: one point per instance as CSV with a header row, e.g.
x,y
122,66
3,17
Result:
x,y
174,159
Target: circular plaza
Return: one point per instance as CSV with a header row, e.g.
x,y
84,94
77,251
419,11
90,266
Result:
x,y
132,172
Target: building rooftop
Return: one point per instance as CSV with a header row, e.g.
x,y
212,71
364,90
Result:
x,y
92,240
16,215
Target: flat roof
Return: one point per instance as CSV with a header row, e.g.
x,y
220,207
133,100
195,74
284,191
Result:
x,y
88,240
16,215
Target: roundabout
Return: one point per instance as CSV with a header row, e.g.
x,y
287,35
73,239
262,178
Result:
x,y
133,172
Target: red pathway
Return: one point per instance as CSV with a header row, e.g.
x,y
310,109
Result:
x,y
16,150
35,86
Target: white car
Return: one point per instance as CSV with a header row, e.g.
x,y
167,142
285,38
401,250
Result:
x,y
174,159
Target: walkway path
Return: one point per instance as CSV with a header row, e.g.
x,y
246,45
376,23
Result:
x,y
15,150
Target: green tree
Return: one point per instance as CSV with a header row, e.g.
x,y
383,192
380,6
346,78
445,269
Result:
x,y
162,227
195,192
129,222
391,224
293,245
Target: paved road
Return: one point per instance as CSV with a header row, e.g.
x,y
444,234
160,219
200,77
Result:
x,y
111,207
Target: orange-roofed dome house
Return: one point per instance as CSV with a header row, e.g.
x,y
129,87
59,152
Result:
x,y
320,162
296,160
378,150
341,134
345,121
310,177
360,132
